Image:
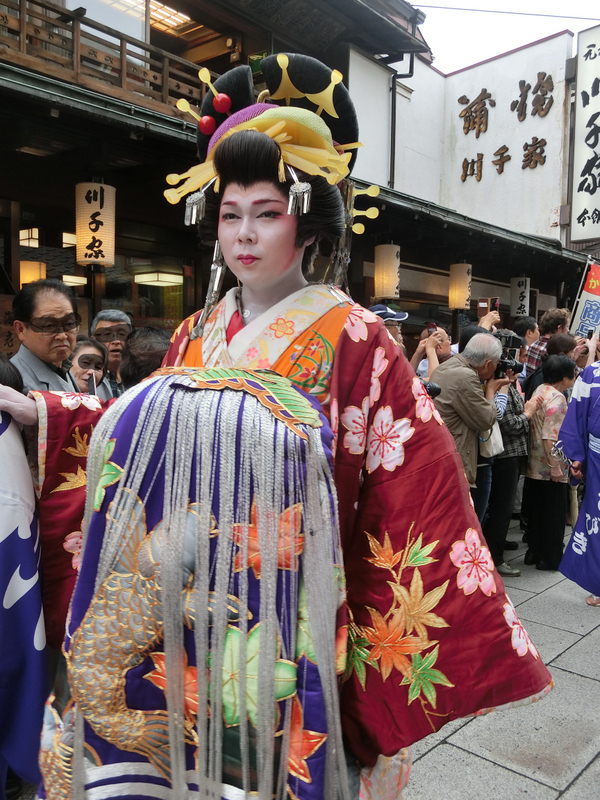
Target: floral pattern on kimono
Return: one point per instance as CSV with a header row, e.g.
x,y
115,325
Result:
x,y
429,640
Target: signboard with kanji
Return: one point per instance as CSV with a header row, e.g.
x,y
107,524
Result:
x,y
585,205
587,306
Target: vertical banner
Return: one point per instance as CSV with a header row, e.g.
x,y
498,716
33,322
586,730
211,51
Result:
x,y
95,224
519,296
586,312
585,204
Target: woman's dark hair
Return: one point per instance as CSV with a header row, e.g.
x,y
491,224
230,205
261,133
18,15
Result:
x,y
557,367
467,333
10,375
85,341
143,352
24,301
559,343
248,157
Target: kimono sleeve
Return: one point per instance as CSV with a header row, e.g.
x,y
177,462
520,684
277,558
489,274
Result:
x,y
432,635
66,423
575,428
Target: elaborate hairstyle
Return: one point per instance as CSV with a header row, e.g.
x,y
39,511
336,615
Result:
x,y
25,300
248,157
557,367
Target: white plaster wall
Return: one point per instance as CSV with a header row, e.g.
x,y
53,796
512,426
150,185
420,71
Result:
x,y
369,84
419,132
526,200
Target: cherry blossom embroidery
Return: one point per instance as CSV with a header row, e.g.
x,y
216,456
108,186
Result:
x,y
355,323
73,400
72,544
380,363
385,443
282,327
335,423
475,565
355,419
252,352
426,409
519,638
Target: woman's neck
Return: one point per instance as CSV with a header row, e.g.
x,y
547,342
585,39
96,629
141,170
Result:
x,y
255,301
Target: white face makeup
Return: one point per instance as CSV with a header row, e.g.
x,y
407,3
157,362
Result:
x,y
258,236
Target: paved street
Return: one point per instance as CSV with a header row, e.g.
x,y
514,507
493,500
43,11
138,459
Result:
x,y
544,751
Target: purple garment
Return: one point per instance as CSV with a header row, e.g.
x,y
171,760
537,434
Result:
x,y
580,437
128,772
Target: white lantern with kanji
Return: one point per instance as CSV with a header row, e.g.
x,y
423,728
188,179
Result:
x,y
519,297
387,270
95,224
459,293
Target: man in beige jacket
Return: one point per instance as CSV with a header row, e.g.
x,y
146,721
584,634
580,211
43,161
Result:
x,y
466,406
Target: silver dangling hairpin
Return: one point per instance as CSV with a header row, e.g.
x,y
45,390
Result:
x,y
217,273
299,195
195,205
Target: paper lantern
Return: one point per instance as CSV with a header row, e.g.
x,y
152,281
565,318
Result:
x,y
459,294
159,279
519,297
74,280
95,224
387,270
31,271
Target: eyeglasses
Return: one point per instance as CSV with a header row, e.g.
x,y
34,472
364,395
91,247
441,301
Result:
x,y
90,361
48,326
108,334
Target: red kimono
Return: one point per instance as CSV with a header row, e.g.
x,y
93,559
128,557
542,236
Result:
x,y
432,634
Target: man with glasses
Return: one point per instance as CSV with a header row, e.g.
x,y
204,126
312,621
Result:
x,y
46,322
112,327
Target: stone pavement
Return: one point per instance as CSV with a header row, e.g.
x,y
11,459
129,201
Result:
x,y
543,751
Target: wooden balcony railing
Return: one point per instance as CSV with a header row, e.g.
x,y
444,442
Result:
x,y
46,38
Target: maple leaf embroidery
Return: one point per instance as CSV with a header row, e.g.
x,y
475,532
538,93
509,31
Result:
x,y
390,645
303,744
290,543
73,480
417,608
158,677
81,445
384,555
424,677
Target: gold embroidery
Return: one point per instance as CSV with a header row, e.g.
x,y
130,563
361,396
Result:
x,y
81,444
73,480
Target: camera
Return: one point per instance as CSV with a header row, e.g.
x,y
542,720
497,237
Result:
x,y
432,389
511,345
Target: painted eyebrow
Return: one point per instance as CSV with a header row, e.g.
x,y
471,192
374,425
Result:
x,y
256,202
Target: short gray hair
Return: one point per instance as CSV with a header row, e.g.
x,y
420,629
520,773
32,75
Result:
x,y
110,315
481,348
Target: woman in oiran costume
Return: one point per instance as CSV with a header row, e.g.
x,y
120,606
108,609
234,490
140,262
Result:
x,y
432,634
